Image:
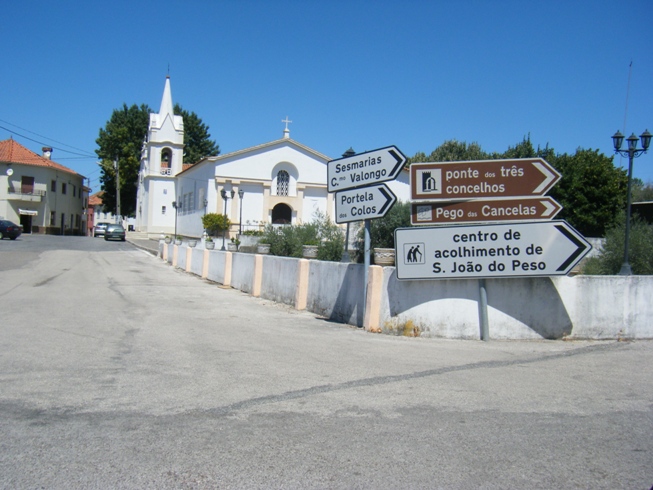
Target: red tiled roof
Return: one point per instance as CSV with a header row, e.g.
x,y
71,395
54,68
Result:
x,y
95,199
13,152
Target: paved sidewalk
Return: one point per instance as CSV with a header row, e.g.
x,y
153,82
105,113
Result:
x,y
151,246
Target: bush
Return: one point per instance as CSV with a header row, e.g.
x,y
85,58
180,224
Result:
x,y
288,240
214,223
640,249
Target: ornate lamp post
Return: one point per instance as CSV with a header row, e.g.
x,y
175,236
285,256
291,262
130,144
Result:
x,y
241,193
631,152
345,253
225,196
177,206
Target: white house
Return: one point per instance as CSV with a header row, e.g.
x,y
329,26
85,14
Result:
x,y
40,194
279,182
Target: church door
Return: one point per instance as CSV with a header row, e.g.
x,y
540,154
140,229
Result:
x,y
281,214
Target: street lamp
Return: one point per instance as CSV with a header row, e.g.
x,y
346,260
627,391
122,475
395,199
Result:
x,y
177,206
225,196
345,253
631,152
241,193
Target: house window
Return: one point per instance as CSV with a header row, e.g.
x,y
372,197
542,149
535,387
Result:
x,y
163,210
53,216
283,180
63,187
53,186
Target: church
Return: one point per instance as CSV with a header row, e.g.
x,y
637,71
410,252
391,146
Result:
x,y
280,182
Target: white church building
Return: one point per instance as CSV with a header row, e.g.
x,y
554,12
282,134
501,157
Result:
x,y
282,182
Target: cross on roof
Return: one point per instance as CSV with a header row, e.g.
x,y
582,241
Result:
x,y
286,120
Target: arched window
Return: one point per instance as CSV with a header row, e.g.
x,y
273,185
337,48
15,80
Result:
x,y
283,181
166,158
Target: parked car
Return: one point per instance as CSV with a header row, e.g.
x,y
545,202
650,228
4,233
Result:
x,y
100,229
114,232
9,229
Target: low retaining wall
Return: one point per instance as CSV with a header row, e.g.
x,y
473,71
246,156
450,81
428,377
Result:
x,y
579,307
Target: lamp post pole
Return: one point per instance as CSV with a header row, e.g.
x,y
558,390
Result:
x,y
223,193
175,204
631,153
225,196
241,193
345,253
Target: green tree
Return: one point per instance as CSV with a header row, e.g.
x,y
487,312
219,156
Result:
x,y
451,151
642,192
592,191
122,139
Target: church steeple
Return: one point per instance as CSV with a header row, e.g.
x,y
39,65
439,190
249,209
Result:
x,y
166,100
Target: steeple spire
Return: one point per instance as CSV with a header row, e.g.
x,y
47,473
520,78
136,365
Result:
x,y
166,100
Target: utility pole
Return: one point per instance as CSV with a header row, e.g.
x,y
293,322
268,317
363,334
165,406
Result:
x,y
117,167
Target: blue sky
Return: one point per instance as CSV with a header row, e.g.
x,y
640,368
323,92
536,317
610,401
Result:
x,y
365,74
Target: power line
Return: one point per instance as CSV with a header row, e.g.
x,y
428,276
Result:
x,y
85,154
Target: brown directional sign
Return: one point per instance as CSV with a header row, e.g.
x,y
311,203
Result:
x,y
485,210
526,177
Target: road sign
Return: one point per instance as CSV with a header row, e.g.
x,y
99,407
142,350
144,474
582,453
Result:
x,y
483,210
371,167
481,179
548,248
364,203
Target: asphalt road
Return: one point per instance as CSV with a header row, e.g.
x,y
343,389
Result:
x,y
117,371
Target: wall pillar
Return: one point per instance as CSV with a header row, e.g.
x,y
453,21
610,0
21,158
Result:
x,y
301,292
228,261
205,264
373,300
258,275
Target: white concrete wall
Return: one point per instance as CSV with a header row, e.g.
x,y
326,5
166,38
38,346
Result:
x,y
583,307
335,291
279,281
579,307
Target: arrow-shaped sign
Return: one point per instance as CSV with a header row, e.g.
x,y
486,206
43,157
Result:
x,y
365,203
548,248
484,210
371,167
525,177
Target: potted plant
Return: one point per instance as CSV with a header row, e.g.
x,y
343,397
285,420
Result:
x,y
309,249
233,245
209,244
215,223
167,239
192,242
178,240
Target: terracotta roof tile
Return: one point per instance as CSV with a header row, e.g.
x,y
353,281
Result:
x,y
13,152
95,199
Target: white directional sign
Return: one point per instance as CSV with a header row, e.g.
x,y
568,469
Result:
x,y
548,248
364,203
372,167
